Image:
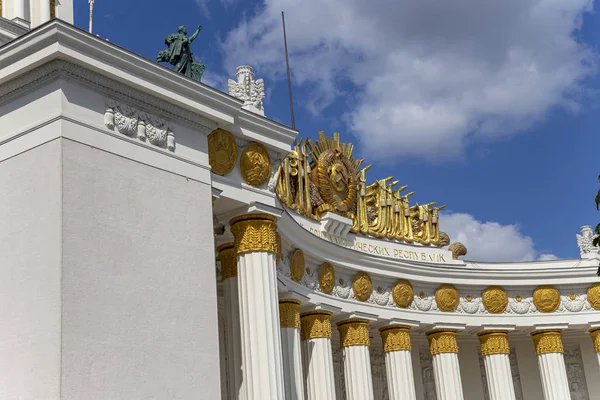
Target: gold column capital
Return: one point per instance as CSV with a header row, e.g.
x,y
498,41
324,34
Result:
x,y
228,259
547,341
442,341
595,333
494,342
289,313
354,332
395,338
254,232
315,324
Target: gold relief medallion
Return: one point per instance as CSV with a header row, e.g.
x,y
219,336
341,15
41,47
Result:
x,y
297,265
495,299
279,254
222,152
362,286
593,296
326,278
546,298
255,164
447,298
403,293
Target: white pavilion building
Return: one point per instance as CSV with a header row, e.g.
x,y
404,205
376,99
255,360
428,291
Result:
x,y
160,239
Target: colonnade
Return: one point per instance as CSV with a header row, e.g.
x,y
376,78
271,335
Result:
x,y
275,351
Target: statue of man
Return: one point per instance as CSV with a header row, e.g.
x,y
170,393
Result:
x,y
180,55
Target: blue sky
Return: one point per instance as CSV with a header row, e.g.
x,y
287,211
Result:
x,y
489,107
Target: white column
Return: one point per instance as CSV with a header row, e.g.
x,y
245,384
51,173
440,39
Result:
x,y
44,11
551,362
495,351
398,362
289,314
446,370
317,358
19,9
595,333
228,259
354,340
256,246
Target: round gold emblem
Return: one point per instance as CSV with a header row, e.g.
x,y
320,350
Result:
x,y
222,152
362,286
279,254
495,299
593,296
255,164
546,298
403,293
447,298
297,265
326,278
336,178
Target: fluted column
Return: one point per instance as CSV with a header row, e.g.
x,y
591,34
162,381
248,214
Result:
x,y
289,314
317,358
550,351
354,340
229,274
495,351
19,9
446,370
398,362
255,245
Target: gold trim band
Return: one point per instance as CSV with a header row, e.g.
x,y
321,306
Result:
x,y
289,313
442,341
228,260
254,232
548,341
494,342
354,332
395,338
315,324
595,333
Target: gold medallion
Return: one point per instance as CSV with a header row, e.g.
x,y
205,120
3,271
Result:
x,y
222,152
593,296
546,298
326,278
255,164
279,254
403,293
297,265
495,299
447,298
362,286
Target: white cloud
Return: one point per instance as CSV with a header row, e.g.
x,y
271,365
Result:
x,y
490,241
433,76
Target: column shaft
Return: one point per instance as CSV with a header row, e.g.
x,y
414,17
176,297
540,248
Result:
x,y
289,313
317,358
19,9
551,362
446,369
398,362
255,245
354,339
44,11
495,351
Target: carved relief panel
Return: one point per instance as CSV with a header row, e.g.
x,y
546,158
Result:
x,y
380,389
575,373
514,367
427,373
338,370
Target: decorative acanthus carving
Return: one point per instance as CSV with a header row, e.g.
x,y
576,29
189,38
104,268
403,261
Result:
x,y
585,241
289,313
395,338
354,332
315,324
228,259
254,232
547,341
494,342
129,121
442,341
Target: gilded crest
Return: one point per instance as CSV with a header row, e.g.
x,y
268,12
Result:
x,y
297,265
362,286
495,299
447,298
403,293
326,278
546,298
222,152
255,164
593,296
336,178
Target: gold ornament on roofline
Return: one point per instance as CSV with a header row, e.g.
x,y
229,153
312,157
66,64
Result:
x,y
255,164
321,177
222,152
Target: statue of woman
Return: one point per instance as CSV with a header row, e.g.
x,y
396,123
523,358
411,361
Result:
x,y
180,55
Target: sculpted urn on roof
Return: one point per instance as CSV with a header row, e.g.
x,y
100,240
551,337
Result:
x,y
321,177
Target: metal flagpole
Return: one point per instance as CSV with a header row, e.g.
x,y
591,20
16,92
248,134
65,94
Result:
x,y
287,63
91,13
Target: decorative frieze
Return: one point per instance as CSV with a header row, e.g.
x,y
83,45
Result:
x,y
132,122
